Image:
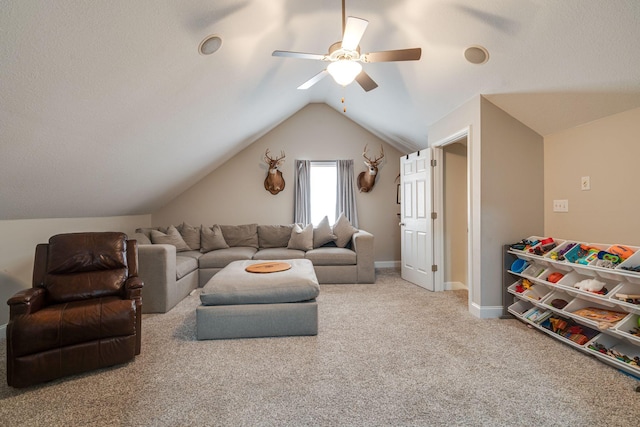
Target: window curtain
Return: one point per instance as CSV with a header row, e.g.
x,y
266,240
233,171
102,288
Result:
x,y
302,193
346,192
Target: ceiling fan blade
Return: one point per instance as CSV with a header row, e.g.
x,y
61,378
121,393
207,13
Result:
x,y
353,32
365,81
313,80
299,55
394,55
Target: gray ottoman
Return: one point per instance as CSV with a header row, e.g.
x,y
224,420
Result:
x,y
238,304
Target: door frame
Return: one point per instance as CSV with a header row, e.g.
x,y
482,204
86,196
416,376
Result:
x,y
438,206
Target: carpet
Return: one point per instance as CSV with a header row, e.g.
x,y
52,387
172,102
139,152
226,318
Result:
x,y
386,354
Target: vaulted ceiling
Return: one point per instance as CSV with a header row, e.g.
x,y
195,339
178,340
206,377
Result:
x,y
107,107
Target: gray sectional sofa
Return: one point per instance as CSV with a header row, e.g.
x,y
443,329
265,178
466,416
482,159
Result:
x,y
174,261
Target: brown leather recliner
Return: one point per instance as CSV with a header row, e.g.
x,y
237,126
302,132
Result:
x,y
83,312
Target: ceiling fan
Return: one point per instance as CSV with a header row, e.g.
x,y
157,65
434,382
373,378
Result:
x,y
345,58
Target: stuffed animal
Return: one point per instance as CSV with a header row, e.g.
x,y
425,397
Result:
x,y
591,285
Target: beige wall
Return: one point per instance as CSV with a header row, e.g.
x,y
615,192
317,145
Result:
x,y
455,212
512,191
498,146
20,238
608,151
234,193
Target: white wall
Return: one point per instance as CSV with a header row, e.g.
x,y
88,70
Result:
x,y
606,150
234,193
20,238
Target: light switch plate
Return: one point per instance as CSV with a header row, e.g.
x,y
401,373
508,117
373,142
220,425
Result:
x,y
561,206
585,183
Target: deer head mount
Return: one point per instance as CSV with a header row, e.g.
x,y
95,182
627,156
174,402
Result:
x,y
274,182
367,179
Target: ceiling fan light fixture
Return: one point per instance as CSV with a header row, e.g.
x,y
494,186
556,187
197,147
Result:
x,y
344,71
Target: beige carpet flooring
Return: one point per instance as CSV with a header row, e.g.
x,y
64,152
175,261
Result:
x,y
389,354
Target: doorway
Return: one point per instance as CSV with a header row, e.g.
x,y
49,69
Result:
x,y
453,245
455,215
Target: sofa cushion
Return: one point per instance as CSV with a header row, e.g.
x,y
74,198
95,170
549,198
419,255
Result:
x,y
301,238
190,234
211,239
222,257
185,265
323,234
278,253
241,235
141,238
234,285
331,256
343,231
171,237
191,254
146,231
274,236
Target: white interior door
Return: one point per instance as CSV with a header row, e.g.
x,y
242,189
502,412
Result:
x,y
415,219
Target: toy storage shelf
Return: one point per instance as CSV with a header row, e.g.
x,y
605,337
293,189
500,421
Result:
x,y
613,340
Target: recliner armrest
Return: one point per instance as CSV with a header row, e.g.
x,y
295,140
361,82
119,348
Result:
x,y
26,301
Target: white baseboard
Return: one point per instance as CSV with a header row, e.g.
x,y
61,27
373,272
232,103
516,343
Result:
x,y
455,286
491,312
387,264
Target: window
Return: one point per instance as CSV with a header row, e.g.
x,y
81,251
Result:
x,y
323,185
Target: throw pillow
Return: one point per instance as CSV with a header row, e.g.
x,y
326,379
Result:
x,y
190,234
323,234
211,238
343,231
171,237
241,235
274,236
301,238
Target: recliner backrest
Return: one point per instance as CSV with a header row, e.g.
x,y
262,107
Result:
x,y
85,265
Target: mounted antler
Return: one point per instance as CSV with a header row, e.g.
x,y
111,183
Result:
x,y
367,179
274,183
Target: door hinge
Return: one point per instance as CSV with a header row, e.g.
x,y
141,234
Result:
x,y
433,162
434,215
434,268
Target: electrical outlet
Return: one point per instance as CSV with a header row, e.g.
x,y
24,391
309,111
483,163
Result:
x,y
561,206
585,183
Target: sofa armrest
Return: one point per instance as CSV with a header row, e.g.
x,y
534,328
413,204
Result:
x,y
157,269
26,301
362,243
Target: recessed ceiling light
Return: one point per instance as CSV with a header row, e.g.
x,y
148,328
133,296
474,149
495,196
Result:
x,y
210,44
476,55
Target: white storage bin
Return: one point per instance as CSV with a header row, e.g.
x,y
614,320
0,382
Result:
x,y
578,304
569,281
626,288
536,292
614,344
625,327
557,294
630,263
534,270
519,308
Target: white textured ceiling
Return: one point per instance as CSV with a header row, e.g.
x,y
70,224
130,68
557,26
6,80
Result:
x,y
106,107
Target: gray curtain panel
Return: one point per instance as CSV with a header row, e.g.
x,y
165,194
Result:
x,y
346,194
301,193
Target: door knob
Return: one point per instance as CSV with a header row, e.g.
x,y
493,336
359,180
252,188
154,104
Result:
x,y
401,224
